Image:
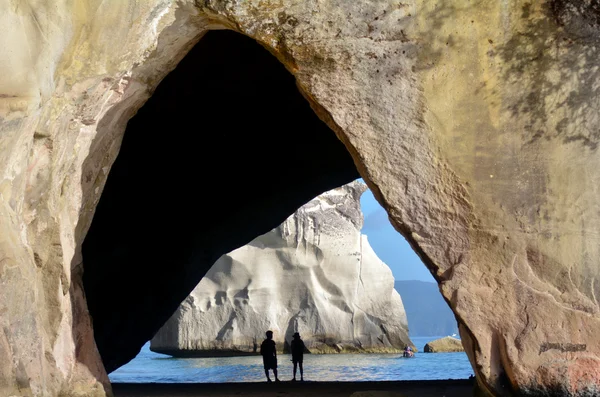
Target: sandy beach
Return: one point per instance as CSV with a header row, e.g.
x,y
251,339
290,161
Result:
x,y
442,388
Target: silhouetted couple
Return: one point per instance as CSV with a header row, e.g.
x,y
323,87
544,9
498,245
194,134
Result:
x,y
269,353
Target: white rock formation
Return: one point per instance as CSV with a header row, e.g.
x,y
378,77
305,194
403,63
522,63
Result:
x,y
315,274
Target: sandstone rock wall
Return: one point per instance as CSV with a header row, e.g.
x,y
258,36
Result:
x,y
315,274
475,124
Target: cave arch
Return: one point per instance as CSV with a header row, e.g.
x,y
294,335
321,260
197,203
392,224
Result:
x,y
495,192
224,150
405,177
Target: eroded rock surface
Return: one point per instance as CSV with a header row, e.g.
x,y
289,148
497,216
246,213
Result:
x,y
315,274
474,123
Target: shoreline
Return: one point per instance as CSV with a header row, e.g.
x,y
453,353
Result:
x,y
412,388
241,353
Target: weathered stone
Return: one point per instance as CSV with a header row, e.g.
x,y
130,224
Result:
x,y
475,124
447,344
315,274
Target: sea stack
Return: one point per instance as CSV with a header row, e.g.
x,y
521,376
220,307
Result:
x,y
315,274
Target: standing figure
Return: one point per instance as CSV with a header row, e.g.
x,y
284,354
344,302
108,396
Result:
x,y
297,355
269,354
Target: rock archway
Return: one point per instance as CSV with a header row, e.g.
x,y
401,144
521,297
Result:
x,y
225,149
474,124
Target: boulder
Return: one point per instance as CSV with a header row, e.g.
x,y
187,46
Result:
x,y
315,274
447,344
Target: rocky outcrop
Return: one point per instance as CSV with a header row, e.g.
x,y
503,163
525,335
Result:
x,y
447,344
315,274
474,123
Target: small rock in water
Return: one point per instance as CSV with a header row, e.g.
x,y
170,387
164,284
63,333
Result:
x,y
444,345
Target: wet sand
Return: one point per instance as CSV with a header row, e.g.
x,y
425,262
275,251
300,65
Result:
x,y
433,388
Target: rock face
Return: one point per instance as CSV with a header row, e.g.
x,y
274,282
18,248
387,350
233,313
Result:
x,y
474,123
447,344
315,274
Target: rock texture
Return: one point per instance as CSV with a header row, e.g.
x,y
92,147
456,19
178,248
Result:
x,y
315,274
475,124
444,345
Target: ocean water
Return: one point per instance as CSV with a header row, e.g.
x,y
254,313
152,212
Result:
x,y
150,367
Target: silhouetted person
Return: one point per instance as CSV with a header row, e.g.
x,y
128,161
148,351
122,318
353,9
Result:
x,y
297,347
269,353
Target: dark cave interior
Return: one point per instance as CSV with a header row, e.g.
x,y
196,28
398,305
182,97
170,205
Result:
x,y
224,150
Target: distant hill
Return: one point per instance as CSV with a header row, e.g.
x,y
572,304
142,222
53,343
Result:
x,y
427,312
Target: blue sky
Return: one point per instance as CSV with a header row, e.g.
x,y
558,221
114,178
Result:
x,y
388,244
